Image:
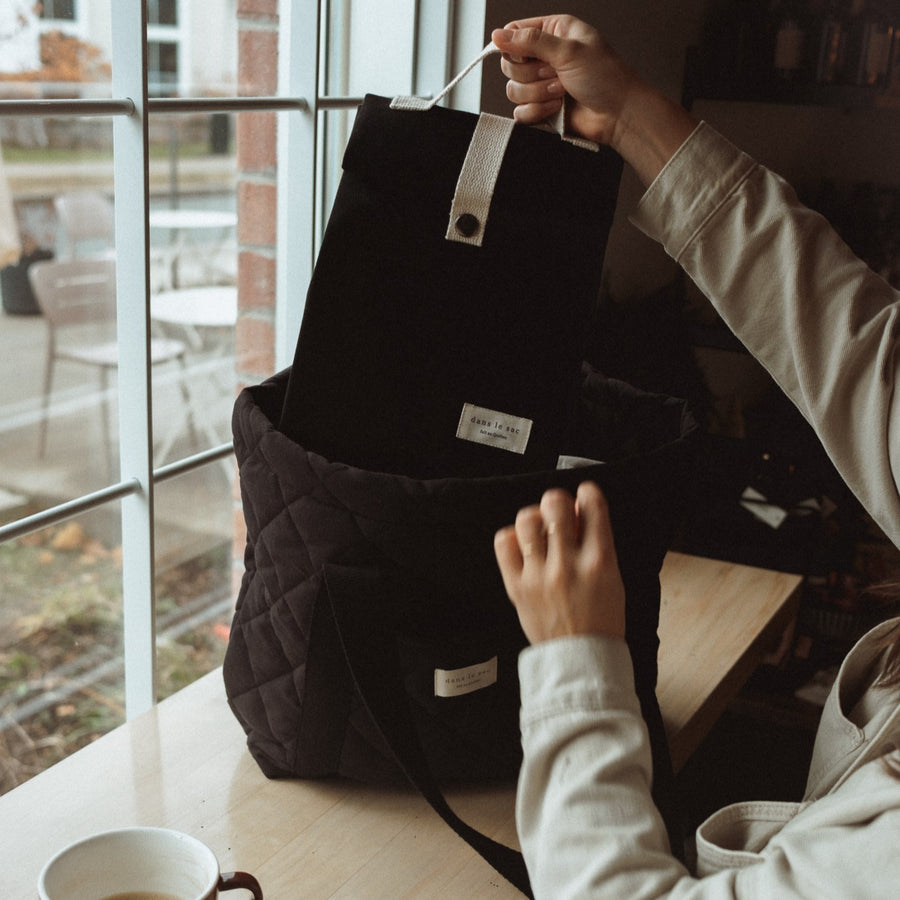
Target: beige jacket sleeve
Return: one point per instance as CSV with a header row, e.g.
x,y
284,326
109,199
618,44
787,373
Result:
x,y
820,321
586,821
589,829
824,326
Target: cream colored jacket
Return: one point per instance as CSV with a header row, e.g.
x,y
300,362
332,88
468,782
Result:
x,y
824,326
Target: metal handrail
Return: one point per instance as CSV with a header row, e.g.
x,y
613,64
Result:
x,y
126,106
71,508
68,510
68,107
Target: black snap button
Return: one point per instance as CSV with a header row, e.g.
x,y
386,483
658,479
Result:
x,y
467,224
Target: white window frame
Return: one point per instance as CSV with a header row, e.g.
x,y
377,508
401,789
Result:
x,y
298,206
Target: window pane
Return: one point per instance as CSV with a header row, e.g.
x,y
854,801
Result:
x,y
52,61
354,29
61,667
162,68
57,9
162,12
205,44
193,255
194,596
58,404
351,69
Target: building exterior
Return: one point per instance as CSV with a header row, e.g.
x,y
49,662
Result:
x,y
176,64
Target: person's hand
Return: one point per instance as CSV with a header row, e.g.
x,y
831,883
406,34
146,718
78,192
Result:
x,y
560,569
547,57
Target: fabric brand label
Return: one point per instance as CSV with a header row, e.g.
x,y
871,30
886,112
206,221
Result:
x,y
456,682
576,462
494,429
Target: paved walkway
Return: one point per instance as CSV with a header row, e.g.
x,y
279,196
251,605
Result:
x,y
194,175
193,511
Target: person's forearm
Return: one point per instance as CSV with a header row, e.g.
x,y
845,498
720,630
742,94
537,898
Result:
x,y
650,130
586,819
821,322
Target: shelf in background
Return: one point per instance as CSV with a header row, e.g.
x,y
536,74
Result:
x,y
702,83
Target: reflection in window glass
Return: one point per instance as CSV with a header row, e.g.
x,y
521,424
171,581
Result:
x,y
162,12
58,399
354,29
193,273
194,592
162,68
56,9
54,58
192,48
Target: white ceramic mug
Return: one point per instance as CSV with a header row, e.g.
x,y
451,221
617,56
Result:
x,y
140,863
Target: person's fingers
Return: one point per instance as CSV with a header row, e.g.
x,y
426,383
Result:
x,y
560,522
535,101
593,515
509,559
593,511
547,89
532,22
530,534
536,113
525,70
527,39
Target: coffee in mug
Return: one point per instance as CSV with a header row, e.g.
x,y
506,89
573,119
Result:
x,y
139,864
141,895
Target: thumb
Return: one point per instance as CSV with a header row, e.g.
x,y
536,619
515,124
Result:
x,y
527,43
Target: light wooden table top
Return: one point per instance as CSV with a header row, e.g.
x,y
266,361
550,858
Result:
x,y
185,765
716,622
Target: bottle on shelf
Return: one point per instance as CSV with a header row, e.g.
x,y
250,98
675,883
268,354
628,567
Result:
x,y
872,39
831,44
791,26
801,50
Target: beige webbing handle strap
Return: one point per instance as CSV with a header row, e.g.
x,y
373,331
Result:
x,y
557,122
426,103
481,166
477,178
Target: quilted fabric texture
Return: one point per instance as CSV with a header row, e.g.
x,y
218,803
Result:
x,y
415,559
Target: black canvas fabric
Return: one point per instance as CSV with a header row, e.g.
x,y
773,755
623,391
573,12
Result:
x,y
402,327
369,561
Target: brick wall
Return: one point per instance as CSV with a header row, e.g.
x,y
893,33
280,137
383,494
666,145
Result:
x,y
256,205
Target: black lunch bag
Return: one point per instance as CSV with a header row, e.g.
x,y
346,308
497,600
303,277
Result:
x,y
437,387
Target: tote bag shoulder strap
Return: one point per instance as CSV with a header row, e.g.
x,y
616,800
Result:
x,y
370,653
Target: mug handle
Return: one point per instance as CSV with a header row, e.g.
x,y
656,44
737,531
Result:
x,y
228,881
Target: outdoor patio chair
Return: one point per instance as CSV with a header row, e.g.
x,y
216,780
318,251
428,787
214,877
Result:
x,y
87,224
78,300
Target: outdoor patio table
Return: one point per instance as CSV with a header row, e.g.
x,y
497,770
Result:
x,y
183,221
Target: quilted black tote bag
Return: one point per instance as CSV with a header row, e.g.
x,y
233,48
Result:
x,y
437,388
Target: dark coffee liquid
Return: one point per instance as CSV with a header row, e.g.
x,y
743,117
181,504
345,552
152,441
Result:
x,y
141,895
